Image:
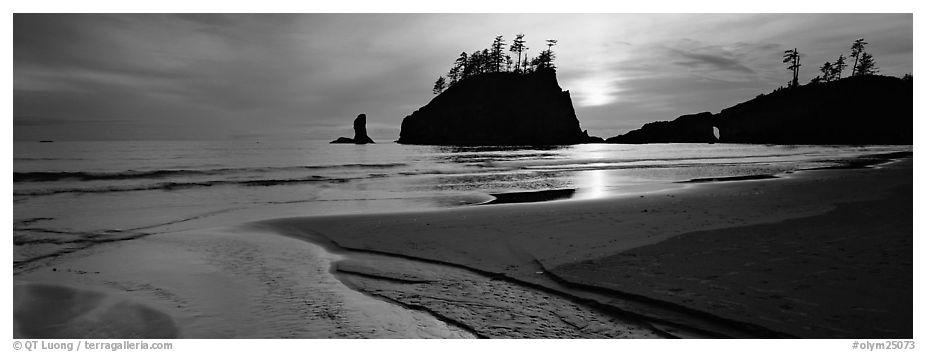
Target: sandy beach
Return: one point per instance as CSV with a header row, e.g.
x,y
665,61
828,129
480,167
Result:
x,y
816,254
209,283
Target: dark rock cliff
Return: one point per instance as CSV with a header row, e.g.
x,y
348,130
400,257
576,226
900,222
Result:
x,y
360,132
854,110
697,128
501,108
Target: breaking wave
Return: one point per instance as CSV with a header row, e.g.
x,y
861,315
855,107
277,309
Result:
x,y
170,186
48,176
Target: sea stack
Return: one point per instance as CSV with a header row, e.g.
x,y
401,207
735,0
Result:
x,y
499,108
360,132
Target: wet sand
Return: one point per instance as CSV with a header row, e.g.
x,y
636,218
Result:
x,y
486,306
795,247
61,311
210,283
819,276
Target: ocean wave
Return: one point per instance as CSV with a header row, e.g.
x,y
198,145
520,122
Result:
x,y
25,158
641,162
171,186
49,176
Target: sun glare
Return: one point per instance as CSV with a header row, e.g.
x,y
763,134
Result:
x,y
595,91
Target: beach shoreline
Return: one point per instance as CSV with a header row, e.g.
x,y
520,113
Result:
x,y
233,282
480,271
535,244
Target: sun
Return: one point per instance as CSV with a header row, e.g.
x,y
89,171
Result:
x,y
595,91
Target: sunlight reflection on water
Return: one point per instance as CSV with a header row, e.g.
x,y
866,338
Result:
x,y
591,184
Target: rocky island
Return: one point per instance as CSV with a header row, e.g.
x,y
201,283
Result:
x,y
694,128
360,132
866,109
491,101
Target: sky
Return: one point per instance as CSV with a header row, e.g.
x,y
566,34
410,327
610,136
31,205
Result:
x,y
253,76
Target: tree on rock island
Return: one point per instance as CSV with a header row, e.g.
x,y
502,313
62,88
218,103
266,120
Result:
x,y
858,47
440,85
866,65
494,60
793,58
517,46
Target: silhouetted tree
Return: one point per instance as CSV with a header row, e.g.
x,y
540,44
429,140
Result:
x,y
551,43
453,76
858,47
478,63
535,64
838,66
456,73
440,85
827,70
494,59
793,58
866,65
907,77
526,65
545,59
472,65
497,53
518,46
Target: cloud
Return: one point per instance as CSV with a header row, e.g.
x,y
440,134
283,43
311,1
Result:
x,y
738,61
711,58
39,121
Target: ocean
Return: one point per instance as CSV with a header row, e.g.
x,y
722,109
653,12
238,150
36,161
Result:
x,y
68,196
